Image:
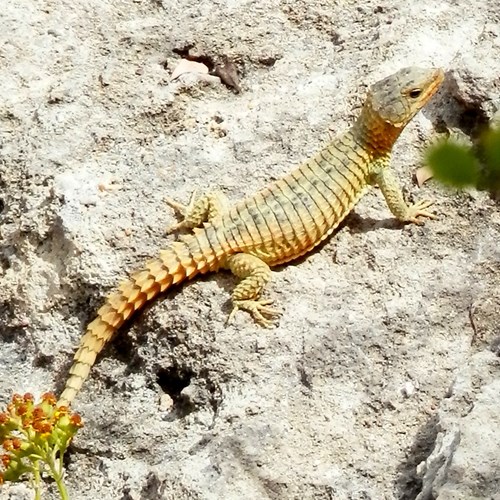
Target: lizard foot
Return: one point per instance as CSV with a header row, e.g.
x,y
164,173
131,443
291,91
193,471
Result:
x,y
183,210
419,210
258,310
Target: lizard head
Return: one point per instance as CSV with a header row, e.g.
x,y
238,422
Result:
x,y
397,98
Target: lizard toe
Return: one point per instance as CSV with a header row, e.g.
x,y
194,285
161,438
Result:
x,y
258,309
419,209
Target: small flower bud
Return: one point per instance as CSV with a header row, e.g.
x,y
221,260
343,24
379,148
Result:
x,y
38,413
76,420
7,445
28,397
17,399
5,459
49,397
22,409
42,427
62,410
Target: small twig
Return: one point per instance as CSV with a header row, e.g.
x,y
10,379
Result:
x,y
472,309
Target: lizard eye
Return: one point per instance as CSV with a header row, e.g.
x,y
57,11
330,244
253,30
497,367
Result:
x,y
414,93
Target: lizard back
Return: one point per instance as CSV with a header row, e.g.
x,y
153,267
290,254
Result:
x,y
294,214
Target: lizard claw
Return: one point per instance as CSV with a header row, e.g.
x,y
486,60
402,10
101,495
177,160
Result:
x,y
419,210
178,207
258,310
183,210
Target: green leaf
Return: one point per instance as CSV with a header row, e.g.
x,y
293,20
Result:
x,y
453,164
491,145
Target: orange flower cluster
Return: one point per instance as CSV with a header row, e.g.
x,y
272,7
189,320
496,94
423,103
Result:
x,y
31,432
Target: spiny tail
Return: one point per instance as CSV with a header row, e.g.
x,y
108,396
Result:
x,y
181,261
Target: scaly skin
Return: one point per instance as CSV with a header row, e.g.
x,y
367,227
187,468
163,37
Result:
x,y
278,224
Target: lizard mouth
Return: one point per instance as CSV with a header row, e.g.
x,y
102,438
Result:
x,y
435,82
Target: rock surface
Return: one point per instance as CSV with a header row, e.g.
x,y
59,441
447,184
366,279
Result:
x,y
382,378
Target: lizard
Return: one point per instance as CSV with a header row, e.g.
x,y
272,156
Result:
x,y
278,224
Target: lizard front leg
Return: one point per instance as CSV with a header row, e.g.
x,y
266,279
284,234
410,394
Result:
x,y
389,186
199,209
255,273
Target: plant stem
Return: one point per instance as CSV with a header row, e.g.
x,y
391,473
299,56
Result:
x,y
36,479
57,474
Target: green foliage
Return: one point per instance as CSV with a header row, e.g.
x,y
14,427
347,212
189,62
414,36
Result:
x,y
491,148
453,164
460,166
35,438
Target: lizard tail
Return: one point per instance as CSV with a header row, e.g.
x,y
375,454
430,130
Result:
x,y
181,261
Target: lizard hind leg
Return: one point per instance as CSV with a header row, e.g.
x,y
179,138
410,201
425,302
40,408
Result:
x,y
200,209
255,274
